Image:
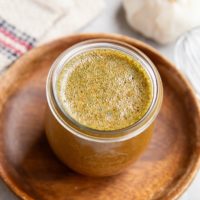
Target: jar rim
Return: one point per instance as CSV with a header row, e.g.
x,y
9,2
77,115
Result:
x,y
103,135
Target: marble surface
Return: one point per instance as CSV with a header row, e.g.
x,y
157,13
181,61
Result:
x,y
112,20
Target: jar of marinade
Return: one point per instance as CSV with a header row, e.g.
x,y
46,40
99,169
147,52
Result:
x,y
103,98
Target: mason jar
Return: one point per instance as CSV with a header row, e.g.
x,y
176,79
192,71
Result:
x,y
95,152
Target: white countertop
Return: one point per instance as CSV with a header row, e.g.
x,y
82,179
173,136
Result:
x,y
112,20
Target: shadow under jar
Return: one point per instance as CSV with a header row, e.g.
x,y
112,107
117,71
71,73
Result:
x,y
103,97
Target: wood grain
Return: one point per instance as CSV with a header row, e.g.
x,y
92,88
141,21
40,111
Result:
x,y
29,167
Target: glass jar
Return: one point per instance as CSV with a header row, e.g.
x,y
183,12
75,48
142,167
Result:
x,y
93,152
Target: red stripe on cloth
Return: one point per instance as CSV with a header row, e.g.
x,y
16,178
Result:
x,y
17,51
15,39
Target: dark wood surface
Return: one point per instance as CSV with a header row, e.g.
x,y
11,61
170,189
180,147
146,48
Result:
x,y
29,167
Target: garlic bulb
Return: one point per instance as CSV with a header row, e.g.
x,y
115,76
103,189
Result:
x,y
162,20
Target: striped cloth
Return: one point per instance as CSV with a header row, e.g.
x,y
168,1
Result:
x,y
27,23
13,43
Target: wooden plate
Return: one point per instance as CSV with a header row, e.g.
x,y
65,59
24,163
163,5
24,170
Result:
x,y
29,167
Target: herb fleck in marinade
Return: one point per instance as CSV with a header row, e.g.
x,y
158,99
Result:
x,y
104,89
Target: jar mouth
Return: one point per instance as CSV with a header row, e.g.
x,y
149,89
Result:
x,y
83,131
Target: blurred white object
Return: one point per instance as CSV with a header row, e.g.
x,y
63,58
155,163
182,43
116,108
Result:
x,y
187,57
77,13
162,20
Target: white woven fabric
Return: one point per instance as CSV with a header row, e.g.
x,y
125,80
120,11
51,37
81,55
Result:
x,y
27,23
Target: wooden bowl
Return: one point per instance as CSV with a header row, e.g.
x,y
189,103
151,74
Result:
x,y
31,170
